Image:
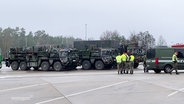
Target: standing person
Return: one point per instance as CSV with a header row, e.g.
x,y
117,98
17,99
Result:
x,y
127,64
175,62
118,61
144,64
131,63
123,63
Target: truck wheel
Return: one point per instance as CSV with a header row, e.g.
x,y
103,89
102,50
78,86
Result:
x,y
45,65
136,65
86,64
57,66
15,65
99,65
23,65
168,69
157,70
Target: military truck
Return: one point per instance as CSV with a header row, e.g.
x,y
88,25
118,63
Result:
x,y
160,59
115,47
97,58
43,58
1,59
96,54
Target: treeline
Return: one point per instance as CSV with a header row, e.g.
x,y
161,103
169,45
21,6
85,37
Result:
x,y
18,37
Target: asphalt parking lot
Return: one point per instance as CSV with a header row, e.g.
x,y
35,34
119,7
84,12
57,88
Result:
x,y
90,87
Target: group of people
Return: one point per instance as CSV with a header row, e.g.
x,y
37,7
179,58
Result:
x,y
125,63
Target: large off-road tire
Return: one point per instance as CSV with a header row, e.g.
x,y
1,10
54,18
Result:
x,y
136,65
168,69
157,70
86,65
99,65
23,65
14,65
57,66
45,65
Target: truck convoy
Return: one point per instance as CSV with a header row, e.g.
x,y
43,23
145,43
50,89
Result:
x,y
98,54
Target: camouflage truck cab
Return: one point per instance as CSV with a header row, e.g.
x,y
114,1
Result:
x,y
159,59
69,58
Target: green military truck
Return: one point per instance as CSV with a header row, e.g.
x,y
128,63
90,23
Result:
x,y
160,59
98,54
114,47
1,58
43,58
96,58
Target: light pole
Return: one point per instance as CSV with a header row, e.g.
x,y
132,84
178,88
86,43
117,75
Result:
x,y
85,31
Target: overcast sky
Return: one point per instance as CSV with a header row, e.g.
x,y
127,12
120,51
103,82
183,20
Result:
x,y
68,17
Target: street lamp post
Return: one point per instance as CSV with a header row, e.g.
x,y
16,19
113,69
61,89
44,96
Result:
x,y
85,31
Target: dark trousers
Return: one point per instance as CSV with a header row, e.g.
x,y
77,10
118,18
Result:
x,y
119,68
123,67
175,66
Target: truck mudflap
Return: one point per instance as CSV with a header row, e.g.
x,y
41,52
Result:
x,y
7,63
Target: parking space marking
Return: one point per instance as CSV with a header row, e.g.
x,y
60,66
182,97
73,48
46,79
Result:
x,y
175,92
83,92
23,87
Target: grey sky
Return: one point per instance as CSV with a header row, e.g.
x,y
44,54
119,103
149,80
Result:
x,y
68,17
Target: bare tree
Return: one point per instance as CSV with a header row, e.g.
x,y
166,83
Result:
x,y
161,41
145,39
109,35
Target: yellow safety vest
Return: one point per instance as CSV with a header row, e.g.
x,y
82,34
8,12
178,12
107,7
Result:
x,y
123,57
174,58
132,57
118,59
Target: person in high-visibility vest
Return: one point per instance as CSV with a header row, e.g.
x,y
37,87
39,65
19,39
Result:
x,y
175,62
131,63
118,61
123,63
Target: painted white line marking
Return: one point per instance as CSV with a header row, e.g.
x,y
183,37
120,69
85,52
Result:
x,y
3,77
18,88
175,92
83,92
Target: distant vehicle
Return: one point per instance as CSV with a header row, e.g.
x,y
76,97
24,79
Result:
x,y
160,59
42,58
1,58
